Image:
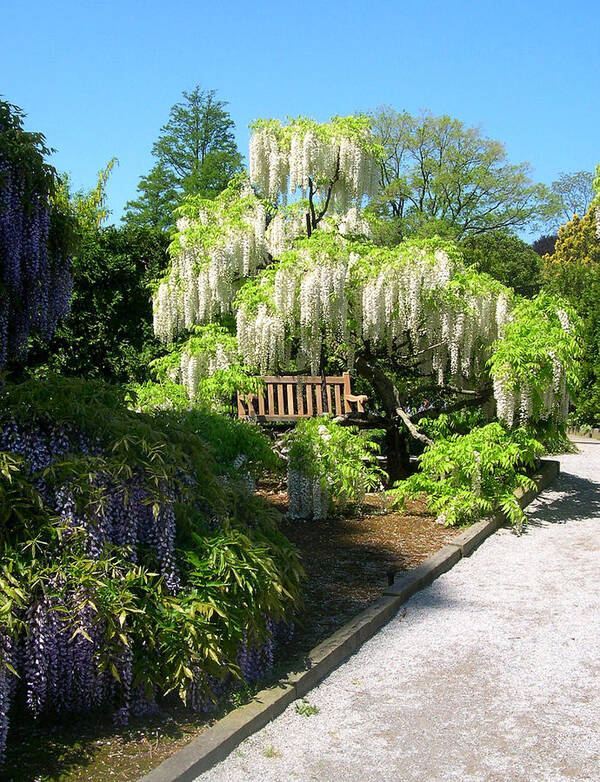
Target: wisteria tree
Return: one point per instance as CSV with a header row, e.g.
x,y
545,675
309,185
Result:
x,y
286,252
35,239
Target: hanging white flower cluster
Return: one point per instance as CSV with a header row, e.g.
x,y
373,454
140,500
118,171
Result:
x,y
221,245
323,308
261,338
337,154
353,223
283,229
519,398
308,499
408,308
194,367
598,222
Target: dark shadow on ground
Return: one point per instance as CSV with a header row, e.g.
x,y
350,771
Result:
x,y
579,499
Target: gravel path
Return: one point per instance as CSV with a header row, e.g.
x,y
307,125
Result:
x,y
492,673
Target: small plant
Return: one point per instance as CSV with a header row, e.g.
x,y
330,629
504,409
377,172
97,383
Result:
x,y
306,709
327,463
271,752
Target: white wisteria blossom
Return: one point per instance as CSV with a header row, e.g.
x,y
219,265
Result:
x,y
305,282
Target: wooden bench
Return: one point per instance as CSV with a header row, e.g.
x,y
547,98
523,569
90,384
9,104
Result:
x,y
292,397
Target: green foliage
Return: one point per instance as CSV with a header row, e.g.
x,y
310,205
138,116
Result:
x,y
436,168
464,477
196,155
573,272
506,258
306,709
524,358
27,152
234,572
342,458
108,332
234,444
88,207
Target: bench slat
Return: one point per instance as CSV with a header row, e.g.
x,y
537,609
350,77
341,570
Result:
x,y
294,396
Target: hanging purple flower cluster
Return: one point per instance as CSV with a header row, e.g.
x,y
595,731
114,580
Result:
x,y
35,290
57,667
58,655
123,514
35,262
255,660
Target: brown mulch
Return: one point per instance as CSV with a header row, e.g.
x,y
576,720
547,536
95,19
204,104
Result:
x,y
347,558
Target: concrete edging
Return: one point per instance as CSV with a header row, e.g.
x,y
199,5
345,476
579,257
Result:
x,y
223,737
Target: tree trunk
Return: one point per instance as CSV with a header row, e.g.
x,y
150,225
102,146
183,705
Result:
x,y
398,455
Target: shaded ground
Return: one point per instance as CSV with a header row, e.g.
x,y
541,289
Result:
x,y
346,560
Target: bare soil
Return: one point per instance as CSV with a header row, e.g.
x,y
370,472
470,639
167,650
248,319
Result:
x,y
346,560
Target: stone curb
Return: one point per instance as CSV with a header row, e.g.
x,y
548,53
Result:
x,y
223,737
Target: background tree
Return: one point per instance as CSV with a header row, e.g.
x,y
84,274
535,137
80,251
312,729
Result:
x,y
108,331
545,244
574,193
196,155
158,197
573,272
438,169
506,258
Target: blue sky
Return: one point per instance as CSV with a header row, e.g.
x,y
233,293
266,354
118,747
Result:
x,y
98,78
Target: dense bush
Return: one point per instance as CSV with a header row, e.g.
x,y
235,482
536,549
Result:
x,y
573,271
464,477
132,564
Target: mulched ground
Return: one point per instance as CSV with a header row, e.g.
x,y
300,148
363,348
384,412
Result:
x,y
346,560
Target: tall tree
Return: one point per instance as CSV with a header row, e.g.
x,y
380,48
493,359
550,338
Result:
x,y
438,169
158,197
311,294
574,193
196,155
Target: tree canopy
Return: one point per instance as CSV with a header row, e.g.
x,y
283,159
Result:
x,y
196,155
574,193
310,291
435,168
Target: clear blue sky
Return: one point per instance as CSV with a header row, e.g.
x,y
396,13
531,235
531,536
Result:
x,y
98,78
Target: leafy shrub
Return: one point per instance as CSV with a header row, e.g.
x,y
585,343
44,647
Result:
x,y
234,443
132,566
463,477
329,463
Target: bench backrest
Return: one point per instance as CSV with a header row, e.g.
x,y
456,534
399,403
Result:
x,y
289,397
